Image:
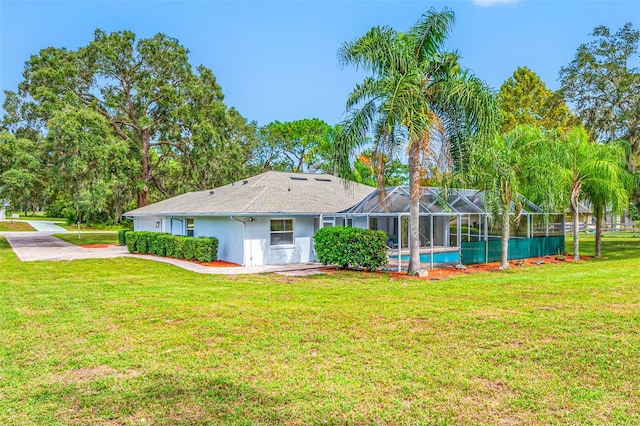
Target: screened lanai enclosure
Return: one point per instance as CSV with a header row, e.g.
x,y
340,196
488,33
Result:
x,y
455,227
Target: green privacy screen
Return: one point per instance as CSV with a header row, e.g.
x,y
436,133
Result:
x,y
519,248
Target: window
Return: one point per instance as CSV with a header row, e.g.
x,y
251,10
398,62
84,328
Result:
x,y
281,232
190,227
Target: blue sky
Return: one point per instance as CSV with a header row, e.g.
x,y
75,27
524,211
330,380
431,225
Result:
x,y
277,60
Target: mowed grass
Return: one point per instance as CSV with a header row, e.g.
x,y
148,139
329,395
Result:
x,y
89,227
131,341
89,238
40,216
11,226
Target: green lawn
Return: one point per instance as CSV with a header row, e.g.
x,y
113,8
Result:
x,y
90,227
9,226
90,238
131,341
38,216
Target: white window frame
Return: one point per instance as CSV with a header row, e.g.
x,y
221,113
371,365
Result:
x,y
186,227
292,232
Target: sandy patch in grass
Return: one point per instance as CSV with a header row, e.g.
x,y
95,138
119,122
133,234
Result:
x,y
86,374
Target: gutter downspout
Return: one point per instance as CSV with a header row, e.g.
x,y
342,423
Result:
x,y
244,225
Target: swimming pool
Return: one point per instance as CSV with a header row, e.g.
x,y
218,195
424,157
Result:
x,y
441,257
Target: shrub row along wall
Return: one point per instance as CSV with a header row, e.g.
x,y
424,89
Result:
x,y
351,247
203,249
122,236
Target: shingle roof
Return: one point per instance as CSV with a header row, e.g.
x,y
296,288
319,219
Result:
x,y
269,192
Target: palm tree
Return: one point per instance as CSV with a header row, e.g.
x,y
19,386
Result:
x,y
595,173
507,166
417,96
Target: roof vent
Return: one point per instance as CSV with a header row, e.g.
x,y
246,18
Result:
x,y
323,180
297,178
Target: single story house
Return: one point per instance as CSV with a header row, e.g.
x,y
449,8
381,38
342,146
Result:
x,y
585,216
271,218
267,219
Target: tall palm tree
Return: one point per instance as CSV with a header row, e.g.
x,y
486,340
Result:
x,y
417,96
595,173
509,165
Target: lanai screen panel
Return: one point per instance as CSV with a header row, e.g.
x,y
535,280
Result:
x,y
397,200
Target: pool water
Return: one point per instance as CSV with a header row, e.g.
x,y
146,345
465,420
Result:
x,y
443,257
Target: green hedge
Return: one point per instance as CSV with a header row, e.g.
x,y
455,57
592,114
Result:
x,y
130,239
122,236
351,247
158,245
162,244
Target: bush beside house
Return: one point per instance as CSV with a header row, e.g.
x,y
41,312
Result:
x,y
203,249
122,236
351,247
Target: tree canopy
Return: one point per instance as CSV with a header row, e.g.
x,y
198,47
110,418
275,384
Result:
x,y
296,146
525,99
171,118
602,83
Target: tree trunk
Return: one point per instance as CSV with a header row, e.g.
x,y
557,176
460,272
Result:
x,y
505,237
576,228
382,193
598,236
414,209
145,173
599,213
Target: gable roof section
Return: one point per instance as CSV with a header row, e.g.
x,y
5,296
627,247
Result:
x,y
269,192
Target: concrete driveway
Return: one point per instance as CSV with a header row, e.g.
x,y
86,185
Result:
x,y
30,246
34,246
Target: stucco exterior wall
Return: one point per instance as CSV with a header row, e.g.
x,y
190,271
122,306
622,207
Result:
x,y
148,223
228,232
259,251
256,248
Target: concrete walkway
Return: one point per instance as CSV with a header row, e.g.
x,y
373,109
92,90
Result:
x,y
35,246
44,226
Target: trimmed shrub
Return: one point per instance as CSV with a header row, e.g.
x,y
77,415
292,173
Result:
x,y
158,244
351,247
189,248
170,246
142,243
203,249
178,246
122,236
131,239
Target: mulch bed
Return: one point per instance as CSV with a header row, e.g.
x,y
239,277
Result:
x,y
218,264
449,271
434,274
